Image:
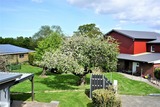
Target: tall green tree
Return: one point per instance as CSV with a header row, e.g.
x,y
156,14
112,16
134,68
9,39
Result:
x,y
89,30
45,31
9,41
42,33
51,42
29,43
20,41
57,29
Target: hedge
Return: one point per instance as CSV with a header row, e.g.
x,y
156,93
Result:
x,y
157,73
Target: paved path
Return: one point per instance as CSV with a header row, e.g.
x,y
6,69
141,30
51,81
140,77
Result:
x,y
140,101
33,104
138,78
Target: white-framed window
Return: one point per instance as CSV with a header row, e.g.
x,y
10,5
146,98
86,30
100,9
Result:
x,y
21,55
152,48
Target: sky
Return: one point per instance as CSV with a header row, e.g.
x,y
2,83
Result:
x,y
25,17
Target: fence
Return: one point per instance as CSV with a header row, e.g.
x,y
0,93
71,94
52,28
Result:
x,y
98,81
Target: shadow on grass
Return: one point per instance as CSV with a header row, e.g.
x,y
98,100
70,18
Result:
x,y
87,92
38,73
20,96
90,105
87,80
48,73
61,81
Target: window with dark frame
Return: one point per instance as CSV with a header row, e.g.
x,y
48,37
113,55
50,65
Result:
x,y
21,55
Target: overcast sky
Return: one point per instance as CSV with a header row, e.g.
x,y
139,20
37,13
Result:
x,y
25,17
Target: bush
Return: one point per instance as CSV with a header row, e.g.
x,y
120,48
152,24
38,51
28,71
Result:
x,y
14,67
105,98
157,73
31,58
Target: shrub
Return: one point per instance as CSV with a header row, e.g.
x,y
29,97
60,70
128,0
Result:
x,y
14,67
31,58
105,98
157,73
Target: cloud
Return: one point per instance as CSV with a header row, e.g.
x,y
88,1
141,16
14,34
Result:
x,y
37,1
131,11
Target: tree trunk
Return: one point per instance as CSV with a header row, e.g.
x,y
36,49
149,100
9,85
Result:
x,y
44,71
82,80
82,77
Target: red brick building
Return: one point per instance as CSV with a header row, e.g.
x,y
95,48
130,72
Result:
x,y
139,51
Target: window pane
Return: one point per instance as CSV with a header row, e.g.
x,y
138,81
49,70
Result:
x,y
21,55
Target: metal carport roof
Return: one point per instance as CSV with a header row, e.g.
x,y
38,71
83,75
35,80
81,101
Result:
x,y
8,79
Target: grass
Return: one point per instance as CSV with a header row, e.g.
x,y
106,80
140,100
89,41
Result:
x,y
67,99
131,87
63,88
54,87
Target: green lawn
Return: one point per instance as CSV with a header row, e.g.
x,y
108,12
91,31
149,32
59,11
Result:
x,y
131,87
63,88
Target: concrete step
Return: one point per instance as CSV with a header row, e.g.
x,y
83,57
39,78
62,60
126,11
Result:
x,y
34,104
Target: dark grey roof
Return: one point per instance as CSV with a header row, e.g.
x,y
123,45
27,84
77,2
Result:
x,y
155,41
7,77
138,34
11,49
144,57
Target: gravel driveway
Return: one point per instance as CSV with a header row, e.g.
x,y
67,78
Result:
x,y
140,101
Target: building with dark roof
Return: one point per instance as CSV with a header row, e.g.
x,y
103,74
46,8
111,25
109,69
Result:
x,y
14,54
139,51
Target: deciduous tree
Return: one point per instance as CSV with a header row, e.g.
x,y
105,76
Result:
x,y
52,42
79,54
45,31
89,30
